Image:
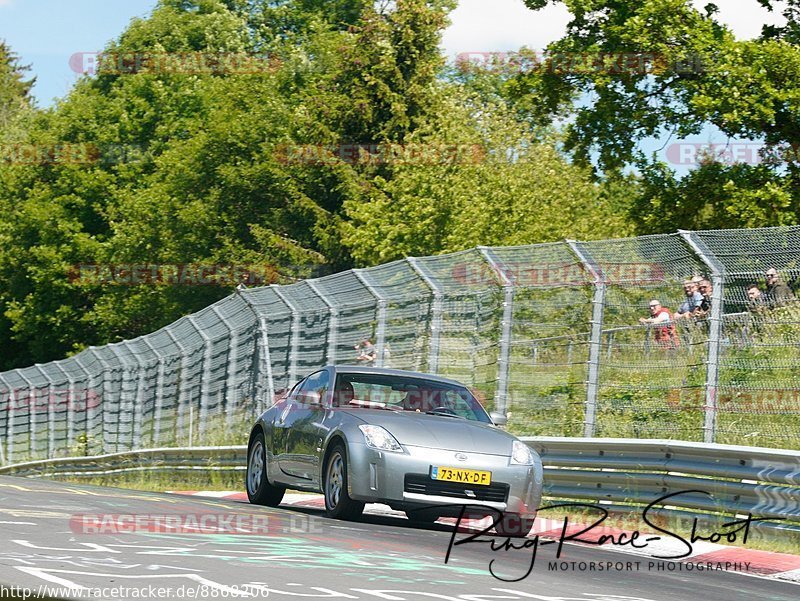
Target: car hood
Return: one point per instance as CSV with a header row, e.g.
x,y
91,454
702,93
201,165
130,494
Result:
x,y
439,432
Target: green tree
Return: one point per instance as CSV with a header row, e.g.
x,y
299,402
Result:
x,y
693,72
14,88
484,180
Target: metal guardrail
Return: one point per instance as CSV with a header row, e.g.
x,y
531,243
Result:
x,y
170,459
621,474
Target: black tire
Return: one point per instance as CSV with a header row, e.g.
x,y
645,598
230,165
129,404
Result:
x,y
514,525
259,490
338,503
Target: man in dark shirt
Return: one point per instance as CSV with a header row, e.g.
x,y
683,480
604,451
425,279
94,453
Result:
x,y
755,299
777,293
706,290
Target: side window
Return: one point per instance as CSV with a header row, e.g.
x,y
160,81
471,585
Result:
x,y
317,382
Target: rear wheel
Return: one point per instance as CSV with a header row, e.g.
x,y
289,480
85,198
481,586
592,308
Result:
x,y
513,524
338,503
259,490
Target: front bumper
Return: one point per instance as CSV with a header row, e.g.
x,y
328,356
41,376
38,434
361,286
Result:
x,y
380,477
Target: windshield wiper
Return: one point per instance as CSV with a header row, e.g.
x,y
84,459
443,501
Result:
x,y
444,413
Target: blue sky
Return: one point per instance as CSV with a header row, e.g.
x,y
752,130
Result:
x,y
46,33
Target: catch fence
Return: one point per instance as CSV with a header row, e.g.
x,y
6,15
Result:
x,y
547,333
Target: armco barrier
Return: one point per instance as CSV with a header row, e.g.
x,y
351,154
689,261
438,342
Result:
x,y
623,475
729,479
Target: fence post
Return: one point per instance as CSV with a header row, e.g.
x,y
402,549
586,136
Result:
x,y
333,321
70,404
125,401
714,330
9,453
182,386
264,344
596,341
294,350
104,413
51,426
138,400
90,416
233,367
436,317
504,359
383,306
159,405
32,446
205,379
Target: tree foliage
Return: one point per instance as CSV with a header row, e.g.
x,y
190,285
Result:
x,y
697,74
14,88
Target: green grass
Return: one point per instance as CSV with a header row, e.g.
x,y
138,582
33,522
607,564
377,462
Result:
x,y
154,481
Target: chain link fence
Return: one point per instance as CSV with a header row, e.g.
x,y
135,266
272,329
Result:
x,y
549,334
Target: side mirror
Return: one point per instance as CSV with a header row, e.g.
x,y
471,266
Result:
x,y
499,419
310,398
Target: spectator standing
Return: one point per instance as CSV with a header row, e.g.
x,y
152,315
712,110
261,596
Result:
x,y
693,300
777,293
665,335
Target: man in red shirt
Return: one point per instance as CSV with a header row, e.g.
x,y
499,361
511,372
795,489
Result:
x,y
665,335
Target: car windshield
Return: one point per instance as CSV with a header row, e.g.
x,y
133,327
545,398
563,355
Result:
x,y
403,393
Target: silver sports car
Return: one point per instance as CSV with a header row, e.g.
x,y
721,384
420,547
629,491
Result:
x,y
416,442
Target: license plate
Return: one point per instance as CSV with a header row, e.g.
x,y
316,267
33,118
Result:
x,y
455,474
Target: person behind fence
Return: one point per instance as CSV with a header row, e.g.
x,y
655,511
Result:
x,y
692,302
755,299
777,293
665,335
706,289
367,353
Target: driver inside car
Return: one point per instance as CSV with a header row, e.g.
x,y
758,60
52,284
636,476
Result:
x,y
343,394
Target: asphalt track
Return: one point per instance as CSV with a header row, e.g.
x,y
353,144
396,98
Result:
x,y
301,554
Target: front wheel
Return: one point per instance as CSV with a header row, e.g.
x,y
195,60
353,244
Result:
x,y
338,503
259,490
514,525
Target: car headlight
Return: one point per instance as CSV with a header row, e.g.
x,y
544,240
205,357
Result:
x,y
379,438
521,454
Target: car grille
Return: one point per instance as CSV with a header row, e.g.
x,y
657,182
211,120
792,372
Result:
x,y
424,485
